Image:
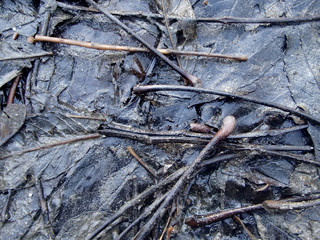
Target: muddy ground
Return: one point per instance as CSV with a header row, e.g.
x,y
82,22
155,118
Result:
x,y
65,168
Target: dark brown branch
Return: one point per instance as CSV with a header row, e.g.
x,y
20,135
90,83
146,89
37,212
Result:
x,y
208,219
182,136
223,20
285,204
157,88
190,78
133,153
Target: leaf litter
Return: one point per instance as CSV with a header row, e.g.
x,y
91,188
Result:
x,y
85,183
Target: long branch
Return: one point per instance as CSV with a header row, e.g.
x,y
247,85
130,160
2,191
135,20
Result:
x,y
223,20
157,88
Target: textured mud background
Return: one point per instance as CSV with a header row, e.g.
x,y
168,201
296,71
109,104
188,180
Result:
x,y
83,183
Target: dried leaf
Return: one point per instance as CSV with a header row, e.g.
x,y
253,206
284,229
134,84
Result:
x,y
11,120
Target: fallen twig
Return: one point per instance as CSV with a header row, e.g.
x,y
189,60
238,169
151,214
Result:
x,y
285,204
223,20
238,220
86,117
28,56
182,136
157,88
13,90
98,46
295,157
132,152
83,138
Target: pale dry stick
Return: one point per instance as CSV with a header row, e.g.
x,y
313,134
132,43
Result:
x,y
86,117
237,219
83,138
133,153
98,46
228,126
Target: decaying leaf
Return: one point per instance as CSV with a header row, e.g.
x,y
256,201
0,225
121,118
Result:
x,y
11,120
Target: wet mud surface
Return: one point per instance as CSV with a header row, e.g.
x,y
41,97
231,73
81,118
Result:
x,y
68,190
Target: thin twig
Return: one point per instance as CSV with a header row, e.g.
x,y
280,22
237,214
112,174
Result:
x,y
132,152
226,129
86,117
182,136
237,219
44,208
295,157
273,147
83,138
13,90
105,47
27,56
157,88
190,78
164,12
223,20
284,204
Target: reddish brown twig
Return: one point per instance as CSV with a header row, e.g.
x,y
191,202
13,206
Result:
x,y
132,152
13,90
285,204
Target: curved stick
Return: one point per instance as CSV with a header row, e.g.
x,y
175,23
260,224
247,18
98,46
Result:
x,y
157,88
